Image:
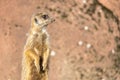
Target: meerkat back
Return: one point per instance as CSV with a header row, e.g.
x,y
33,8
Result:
x,y
36,49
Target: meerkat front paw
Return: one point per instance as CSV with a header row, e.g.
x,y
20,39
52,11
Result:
x,y
44,66
45,58
37,64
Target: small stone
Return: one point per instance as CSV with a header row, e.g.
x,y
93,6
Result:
x,y
100,10
103,79
84,1
86,28
88,46
53,53
113,51
80,43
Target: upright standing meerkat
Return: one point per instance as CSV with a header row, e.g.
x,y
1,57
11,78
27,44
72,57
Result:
x,y
36,50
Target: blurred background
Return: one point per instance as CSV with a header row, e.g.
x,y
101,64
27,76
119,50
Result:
x,y
85,38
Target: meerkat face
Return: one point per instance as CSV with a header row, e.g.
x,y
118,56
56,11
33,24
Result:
x,y
41,20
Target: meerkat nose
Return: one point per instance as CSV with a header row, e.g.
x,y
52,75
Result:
x,y
52,19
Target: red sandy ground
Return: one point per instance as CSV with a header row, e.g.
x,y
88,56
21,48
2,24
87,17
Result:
x,y
72,61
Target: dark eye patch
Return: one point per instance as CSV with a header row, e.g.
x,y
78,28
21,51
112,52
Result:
x,y
36,20
45,16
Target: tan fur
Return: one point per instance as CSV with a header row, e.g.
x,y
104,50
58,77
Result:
x,y
36,50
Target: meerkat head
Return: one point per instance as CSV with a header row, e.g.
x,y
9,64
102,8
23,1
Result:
x,y
41,20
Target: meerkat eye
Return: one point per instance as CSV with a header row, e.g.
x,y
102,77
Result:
x,y
45,16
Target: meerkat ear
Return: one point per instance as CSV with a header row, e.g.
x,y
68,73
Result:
x,y
36,20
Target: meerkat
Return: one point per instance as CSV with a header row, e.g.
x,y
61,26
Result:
x,y
37,49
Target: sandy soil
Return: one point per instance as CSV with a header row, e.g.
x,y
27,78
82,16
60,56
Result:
x,y
85,38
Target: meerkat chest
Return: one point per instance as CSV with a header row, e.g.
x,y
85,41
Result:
x,y
37,40
42,38
41,42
